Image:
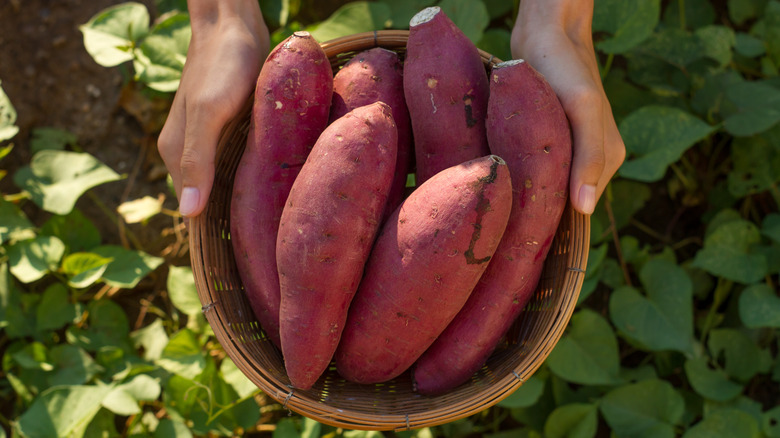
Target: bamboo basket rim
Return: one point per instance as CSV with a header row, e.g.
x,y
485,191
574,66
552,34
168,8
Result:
x,y
395,408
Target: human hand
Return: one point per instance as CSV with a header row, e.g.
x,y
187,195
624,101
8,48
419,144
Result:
x,y
229,44
555,37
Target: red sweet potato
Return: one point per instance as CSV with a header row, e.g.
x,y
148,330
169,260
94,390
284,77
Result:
x,y
528,127
292,101
425,262
376,75
328,226
446,89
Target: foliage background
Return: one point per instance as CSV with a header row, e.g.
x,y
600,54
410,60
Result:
x,y
676,332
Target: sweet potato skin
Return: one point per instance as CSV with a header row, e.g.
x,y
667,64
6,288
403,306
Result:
x,y
291,106
327,228
376,75
425,262
528,127
446,90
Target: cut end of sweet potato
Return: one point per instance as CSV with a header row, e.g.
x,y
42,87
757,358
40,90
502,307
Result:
x,y
424,16
302,34
509,63
496,159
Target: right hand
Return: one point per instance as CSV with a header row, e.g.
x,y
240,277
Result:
x,y
229,44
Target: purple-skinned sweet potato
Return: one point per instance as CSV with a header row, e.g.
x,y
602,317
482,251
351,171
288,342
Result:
x,y
376,75
424,264
446,90
527,126
291,106
327,228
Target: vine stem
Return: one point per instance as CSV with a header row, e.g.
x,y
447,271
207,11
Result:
x,y
722,291
615,236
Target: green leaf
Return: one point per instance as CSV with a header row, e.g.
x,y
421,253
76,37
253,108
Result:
x,y
107,326
183,355
56,179
771,422
650,408
14,225
236,378
496,42
17,310
74,229
576,420
72,366
353,17
55,309
717,43
152,339
128,267
31,259
759,306
526,395
402,11
725,423
62,411
181,289
110,36
710,381
471,16
743,10
741,354
657,136
770,227
758,108
51,138
675,46
33,356
588,353
726,253
697,13
125,398
172,429
661,320
629,22
160,58
749,46
8,128
84,268
756,166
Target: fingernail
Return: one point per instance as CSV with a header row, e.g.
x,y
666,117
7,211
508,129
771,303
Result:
x,y
189,201
587,198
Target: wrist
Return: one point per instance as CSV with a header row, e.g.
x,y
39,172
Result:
x,y
210,17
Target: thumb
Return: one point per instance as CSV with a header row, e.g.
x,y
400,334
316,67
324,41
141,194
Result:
x,y
588,161
197,159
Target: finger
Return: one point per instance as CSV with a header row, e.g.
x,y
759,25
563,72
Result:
x,y
585,110
198,155
171,140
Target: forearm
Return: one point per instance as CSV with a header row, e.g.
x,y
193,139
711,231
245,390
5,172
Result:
x,y
572,17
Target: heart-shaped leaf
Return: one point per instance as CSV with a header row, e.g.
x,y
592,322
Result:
x,y
30,260
650,408
741,355
56,179
181,290
663,318
576,420
710,381
759,306
629,22
657,136
127,267
183,355
526,395
84,268
111,35
14,225
76,231
160,58
756,165
72,366
8,128
55,309
758,108
588,353
62,410
354,17
726,252
725,423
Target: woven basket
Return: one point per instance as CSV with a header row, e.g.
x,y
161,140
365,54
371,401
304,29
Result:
x,y
392,405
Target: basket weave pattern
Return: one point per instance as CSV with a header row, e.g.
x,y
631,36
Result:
x,y
392,405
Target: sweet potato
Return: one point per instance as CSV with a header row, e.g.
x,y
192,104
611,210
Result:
x,y
425,262
527,126
292,101
446,89
328,226
376,75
